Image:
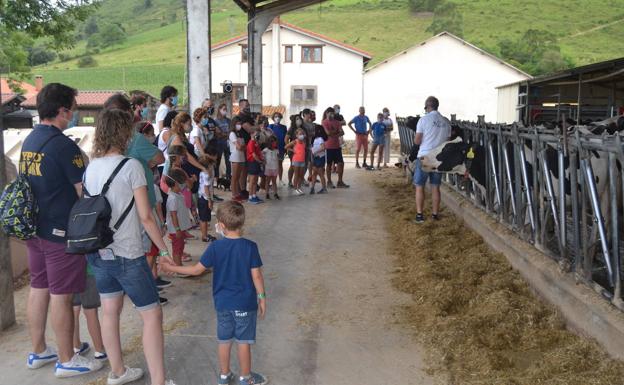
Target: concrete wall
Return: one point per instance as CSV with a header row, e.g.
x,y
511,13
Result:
x,y
585,311
461,77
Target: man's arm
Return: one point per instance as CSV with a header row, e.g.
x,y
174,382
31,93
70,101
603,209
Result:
x,y
78,187
418,138
351,126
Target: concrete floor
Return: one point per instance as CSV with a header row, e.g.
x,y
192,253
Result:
x,y
330,304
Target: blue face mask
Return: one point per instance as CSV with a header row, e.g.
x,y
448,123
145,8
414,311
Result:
x,y
174,101
204,122
144,112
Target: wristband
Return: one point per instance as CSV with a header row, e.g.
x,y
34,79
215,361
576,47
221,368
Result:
x,y
163,253
261,296
177,229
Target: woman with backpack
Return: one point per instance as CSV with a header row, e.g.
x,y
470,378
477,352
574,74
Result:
x,y
121,267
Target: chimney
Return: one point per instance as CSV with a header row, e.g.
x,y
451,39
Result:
x,y
38,82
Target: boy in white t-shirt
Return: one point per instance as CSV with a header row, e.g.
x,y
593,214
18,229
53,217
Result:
x,y
318,160
271,166
205,199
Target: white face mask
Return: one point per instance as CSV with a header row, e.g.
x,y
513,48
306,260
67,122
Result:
x,y
219,230
238,127
223,112
277,120
301,137
337,110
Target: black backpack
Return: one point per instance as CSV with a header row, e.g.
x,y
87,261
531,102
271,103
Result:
x,y
18,207
89,228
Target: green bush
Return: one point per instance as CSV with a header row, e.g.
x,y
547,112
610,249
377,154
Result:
x,y
86,61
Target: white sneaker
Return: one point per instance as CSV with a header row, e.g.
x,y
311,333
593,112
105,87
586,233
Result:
x,y
35,361
77,366
170,382
131,374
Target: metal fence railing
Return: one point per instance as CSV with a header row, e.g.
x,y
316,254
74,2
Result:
x,y
576,219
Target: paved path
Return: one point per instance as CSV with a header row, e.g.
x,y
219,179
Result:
x,y
330,305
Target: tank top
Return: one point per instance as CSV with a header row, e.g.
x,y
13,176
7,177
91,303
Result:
x,y
300,149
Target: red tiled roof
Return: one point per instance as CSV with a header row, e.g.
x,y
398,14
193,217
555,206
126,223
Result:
x,y
29,89
84,99
266,110
304,31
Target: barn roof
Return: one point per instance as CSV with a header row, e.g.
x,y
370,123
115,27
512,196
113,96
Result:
x,y
326,39
84,98
462,41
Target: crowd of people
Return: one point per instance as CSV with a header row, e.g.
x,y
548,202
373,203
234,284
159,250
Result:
x,y
160,179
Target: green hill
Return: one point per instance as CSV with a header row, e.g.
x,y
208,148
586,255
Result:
x,y
154,52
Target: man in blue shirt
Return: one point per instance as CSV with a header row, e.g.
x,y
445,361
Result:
x,y
361,131
54,165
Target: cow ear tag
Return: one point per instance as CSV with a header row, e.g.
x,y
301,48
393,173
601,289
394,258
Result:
x,y
470,154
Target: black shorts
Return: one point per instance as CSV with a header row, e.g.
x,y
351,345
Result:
x,y
205,214
253,168
319,162
334,156
90,298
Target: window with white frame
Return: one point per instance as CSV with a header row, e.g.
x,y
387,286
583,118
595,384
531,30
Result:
x,y
304,95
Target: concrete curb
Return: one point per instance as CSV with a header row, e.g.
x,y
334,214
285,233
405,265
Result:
x,y
584,310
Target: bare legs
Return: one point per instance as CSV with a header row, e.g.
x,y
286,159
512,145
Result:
x,y
244,358
93,325
435,199
37,312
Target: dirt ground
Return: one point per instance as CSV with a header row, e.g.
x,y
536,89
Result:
x,y
475,315
332,309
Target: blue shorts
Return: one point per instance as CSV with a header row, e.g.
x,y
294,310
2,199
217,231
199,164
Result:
x,y
122,275
379,141
236,325
253,168
319,161
420,177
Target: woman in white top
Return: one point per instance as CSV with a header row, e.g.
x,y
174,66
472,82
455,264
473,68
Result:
x,y
237,157
121,268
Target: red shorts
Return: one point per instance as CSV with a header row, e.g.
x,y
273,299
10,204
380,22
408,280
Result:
x,y
52,268
177,244
361,140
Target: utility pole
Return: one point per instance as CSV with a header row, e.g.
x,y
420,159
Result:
x,y
7,305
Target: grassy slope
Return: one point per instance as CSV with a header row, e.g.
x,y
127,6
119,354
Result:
x,y
154,52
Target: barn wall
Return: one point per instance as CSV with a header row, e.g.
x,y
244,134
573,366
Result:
x,y
507,104
461,77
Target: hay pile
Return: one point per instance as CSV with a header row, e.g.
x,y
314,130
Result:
x,y
474,313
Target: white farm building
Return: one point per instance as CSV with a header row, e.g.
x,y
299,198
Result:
x,y
462,76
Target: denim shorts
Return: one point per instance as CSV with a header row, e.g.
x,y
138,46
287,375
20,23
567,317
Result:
x,y
420,177
122,275
319,161
236,325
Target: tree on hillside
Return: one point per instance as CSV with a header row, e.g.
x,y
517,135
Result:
x,y
147,3
535,52
111,34
40,55
25,20
447,17
91,27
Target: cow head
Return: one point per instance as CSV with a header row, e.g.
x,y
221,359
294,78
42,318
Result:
x,y
412,122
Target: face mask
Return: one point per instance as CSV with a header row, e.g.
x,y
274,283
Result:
x,y
247,110
330,116
223,112
257,137
337,110
187,129
144,112
277,120
238,127
300,137
210,110
174,101
386,114
204,122
299,123
219,230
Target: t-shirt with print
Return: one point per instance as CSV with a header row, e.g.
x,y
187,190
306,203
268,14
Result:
x,y
436,129
271,159
205,180
161,113
316,147
360,123
379,130
142,150
127,241
175,202
231,261
52,174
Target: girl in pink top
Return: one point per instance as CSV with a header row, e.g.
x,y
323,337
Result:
x,y
298,160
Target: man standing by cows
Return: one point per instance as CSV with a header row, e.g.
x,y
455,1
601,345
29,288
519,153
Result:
x,y
432,130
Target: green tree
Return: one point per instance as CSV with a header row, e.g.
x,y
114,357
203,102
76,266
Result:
x,y
91,27
40,55
424,5
447,17
536,52
147,3
111,34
